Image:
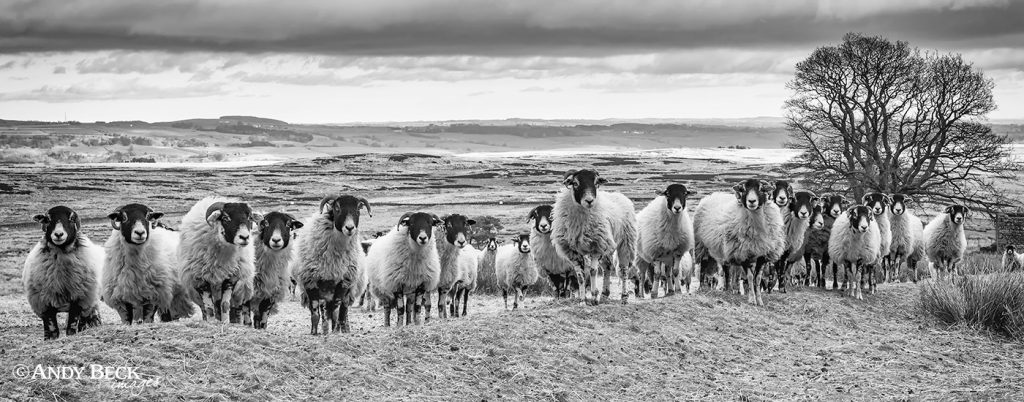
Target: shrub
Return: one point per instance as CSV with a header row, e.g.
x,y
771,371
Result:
x,y
992,301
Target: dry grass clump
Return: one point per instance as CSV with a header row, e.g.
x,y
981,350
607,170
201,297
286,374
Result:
x,y
992,301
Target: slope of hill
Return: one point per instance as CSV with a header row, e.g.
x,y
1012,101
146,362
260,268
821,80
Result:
x,y
807,344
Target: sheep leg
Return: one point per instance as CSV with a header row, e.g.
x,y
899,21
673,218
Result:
x,y
258,321
225,301
399,304
125,313
454,305
247,314
148,312
51,329
411,306
516,298
912,264
605,263
343,316
423,301
74,317
137,313
314,316
387,315
641,278
332,315
465,301
748,272
206,301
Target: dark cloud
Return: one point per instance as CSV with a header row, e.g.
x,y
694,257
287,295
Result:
x,y
494,27
130,89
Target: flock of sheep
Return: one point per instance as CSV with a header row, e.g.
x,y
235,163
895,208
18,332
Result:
x,y
228,259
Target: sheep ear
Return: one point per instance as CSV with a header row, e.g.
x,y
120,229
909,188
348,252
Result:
x,y
690,193
326,205
437,221
116,218
767,187
967,212
815,200
364,203
739,189
404,220
864,200
568,178
41,219
601,181
470,222
532,215
256,217
294,224
213,217
949,209
154,216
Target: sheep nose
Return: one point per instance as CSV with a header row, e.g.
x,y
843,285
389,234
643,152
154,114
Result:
x,y
139,232
350,228
589,202
243,238
422,238
543,227
275,240
58,234
677,208
461,243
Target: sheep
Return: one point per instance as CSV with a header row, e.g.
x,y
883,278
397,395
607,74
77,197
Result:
x,y
331,263
485,263
451,238
597,224
140,271
558,269
945,241
469,260
856,243
216,256
665,234
741,229
62,274
815,244
879,204
782,194
907,238
273,278
796,218
515,270
404,266
1012,260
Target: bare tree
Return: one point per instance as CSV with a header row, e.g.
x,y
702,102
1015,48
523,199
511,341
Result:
x,y
875,115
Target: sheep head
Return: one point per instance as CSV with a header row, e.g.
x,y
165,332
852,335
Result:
x,y
234,221
675,197
419,226
752,193
276,229
457,229
802,204
878,202
134,222
522,243
898,204
584,184
343,210
60,226
782,195
957,213
541,218
860,217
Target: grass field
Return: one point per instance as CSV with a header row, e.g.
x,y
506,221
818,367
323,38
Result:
x,y
807,344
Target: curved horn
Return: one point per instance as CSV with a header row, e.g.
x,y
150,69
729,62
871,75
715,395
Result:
x,y
365,203
533,214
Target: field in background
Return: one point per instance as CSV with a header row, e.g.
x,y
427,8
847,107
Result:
x,y
809,343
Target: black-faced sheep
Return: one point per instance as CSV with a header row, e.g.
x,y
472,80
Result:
x,y
215,255
62,274
140,272
879,204
856,244
814,248
485,263
404,267
665,234
741,229
796,218
907,238
558,269
597,224
1012,260
945,241
515,270
273,268
331,262
452,237
782,194
816,243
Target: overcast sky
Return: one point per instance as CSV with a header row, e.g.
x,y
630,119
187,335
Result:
x,y
388,60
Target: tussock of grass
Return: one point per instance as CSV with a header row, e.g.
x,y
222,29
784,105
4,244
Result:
x,y
992,301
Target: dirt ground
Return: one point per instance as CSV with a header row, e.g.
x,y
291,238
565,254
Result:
x,y
807,344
